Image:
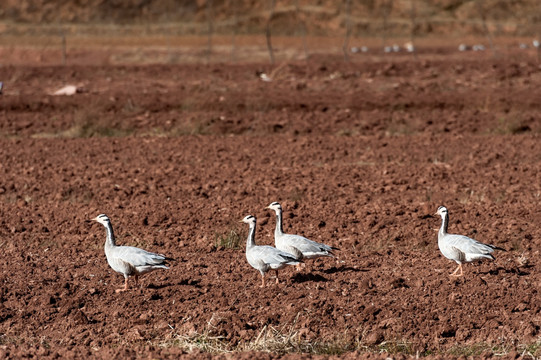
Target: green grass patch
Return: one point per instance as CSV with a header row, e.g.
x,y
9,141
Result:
x,y
510,124
192,127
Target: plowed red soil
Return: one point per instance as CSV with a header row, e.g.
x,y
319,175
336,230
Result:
x,y
360,155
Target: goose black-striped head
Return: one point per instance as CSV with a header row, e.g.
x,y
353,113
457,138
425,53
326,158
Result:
x,y
102,219
249,219
275,206
442,211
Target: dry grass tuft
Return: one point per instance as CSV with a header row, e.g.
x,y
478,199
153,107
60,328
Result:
x,y
281,341
205,342
231,239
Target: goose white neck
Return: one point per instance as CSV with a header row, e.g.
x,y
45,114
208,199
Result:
x,y
279,229
110,241
444,224
250,241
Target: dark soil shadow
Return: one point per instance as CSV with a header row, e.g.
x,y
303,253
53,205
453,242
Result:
x,y
300,278
518,271
335,269
157,287
190,282
194,283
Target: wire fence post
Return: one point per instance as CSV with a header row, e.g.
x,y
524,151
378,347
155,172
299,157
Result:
x,y
302,26
235,30
386,10
345,45
413,14
210,29
64,52
482,13
268,31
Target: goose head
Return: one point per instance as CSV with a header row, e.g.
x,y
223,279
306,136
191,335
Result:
x,y
275,206
102,219
442,211
249,219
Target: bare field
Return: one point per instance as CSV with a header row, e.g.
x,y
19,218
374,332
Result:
x,y
360,155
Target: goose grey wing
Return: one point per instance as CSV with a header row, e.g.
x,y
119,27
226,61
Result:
x,y
457,255
272,256
306,246
121,266
291,250
468,245
139,257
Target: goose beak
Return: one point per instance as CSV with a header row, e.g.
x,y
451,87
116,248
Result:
x,y
95,219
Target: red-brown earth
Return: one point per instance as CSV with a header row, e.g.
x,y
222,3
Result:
x,y
360,155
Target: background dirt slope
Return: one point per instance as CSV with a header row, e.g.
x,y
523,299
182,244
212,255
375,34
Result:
x,y
431,17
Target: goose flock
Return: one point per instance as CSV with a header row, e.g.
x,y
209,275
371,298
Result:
x,y
288,250
265,257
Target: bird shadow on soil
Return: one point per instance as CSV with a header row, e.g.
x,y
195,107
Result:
x,y
300,278
517,271
189,282
157,287
335,269
303,277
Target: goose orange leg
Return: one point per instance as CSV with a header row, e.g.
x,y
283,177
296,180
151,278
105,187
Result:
x,y
125,286
455,272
